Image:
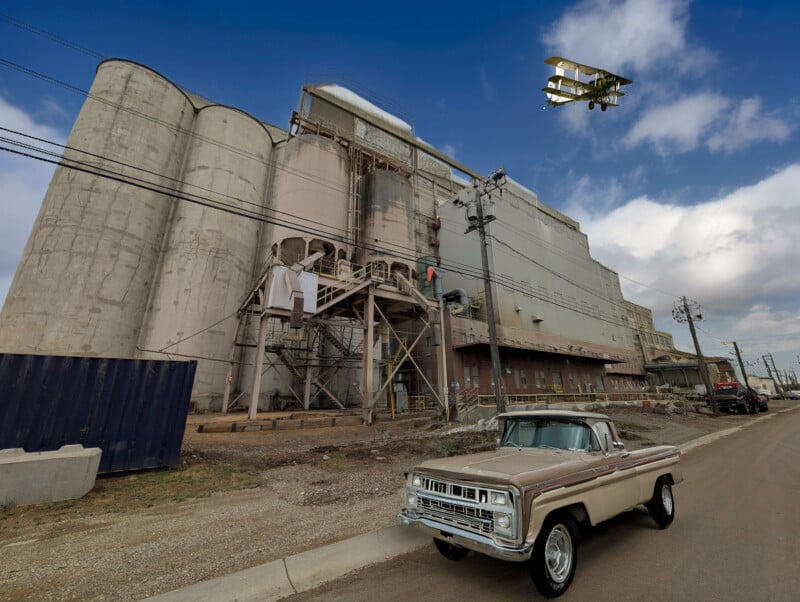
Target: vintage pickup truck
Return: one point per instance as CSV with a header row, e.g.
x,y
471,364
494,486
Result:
x,y
553,473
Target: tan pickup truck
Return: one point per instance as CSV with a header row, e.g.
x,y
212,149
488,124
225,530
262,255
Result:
x,y
553,473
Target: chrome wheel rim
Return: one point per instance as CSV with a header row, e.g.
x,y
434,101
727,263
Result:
x,y
558,553
666,498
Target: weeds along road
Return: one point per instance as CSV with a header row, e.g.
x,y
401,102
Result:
x,y
736,536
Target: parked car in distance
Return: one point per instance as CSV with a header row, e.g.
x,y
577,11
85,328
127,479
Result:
x,y
792,395
554,472
731,397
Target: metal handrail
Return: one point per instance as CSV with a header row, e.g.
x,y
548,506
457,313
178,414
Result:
x,y
532,398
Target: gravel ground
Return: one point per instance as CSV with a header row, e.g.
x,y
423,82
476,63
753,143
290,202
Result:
x,y
313,487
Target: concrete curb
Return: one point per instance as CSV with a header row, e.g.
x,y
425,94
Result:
x,y
710,438
281,578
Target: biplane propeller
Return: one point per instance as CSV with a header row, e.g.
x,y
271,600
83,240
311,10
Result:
x,y
597,86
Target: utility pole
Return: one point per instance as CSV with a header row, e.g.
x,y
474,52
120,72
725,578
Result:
x,y
774,374
682,313
741,364
472,199
769,373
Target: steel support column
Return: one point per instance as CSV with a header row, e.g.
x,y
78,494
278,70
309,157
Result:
x,y
368,369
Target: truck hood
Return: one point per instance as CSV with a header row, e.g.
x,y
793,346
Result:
x,y
509,465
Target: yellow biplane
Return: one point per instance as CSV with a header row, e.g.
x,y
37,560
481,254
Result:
x,y
587,83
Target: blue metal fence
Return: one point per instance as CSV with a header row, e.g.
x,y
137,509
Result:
x,y
134,410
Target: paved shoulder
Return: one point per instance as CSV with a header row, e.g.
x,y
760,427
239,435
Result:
x,y
304,571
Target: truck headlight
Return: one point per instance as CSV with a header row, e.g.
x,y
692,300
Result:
x,y
502,521
416,480
411,500
499,498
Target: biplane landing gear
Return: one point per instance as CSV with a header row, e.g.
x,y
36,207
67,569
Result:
x,y
591,105
603,107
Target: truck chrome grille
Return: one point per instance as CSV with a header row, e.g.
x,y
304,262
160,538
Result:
x,y
461,505
472,519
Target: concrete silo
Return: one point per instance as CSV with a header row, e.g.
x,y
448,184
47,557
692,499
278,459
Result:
x,y
207,261
311,191
389,237
82,284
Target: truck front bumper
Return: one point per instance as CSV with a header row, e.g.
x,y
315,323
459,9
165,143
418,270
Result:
x,y
466,539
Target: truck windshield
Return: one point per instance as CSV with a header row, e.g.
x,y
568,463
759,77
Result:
x,y
554,433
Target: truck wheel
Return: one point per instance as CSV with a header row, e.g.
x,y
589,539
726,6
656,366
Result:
x,y
450,551
555,556
662,505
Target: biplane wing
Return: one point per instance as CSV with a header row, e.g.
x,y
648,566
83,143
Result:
x,y
567,65
587,83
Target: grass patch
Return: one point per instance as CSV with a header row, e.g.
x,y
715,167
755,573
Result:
x,y
121,493
151,487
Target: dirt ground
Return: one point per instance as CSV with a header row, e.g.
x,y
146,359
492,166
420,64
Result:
x,y
242,499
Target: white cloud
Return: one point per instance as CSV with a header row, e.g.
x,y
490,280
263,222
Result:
x,y
736,255
746,125
706,119
23,182
678,126
623,34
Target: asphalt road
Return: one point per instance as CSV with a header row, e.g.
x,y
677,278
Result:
x,y
736,536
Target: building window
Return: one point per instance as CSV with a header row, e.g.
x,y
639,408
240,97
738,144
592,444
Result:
x,y
523,379
599,380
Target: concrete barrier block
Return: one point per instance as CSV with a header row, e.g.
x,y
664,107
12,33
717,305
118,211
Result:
x,y
50,476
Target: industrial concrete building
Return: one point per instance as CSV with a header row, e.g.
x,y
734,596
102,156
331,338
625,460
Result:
x,y
291,263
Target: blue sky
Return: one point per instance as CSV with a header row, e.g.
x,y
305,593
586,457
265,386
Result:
x,y
691,187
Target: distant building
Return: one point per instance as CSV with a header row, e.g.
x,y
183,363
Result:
x,y
762,383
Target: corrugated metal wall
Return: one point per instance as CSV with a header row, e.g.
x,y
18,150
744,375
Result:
x,y
134,410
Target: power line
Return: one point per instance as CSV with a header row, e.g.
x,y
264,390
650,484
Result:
x,y
593,292
51,36
269,162
456,266
398,251
142,169
72,45
174,128
196,199
199,200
